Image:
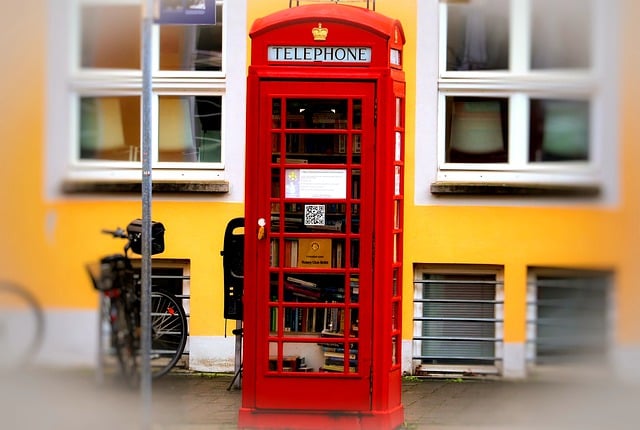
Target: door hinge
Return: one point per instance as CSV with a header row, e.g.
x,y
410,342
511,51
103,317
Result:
x,y
375,113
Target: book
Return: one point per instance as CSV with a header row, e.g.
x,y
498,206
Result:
x,y
337,368
302,282
339,355
300,291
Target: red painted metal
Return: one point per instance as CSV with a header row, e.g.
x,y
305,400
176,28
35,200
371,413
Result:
x,y
343,121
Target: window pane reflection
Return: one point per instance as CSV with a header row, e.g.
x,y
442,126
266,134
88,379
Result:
x,y
478,35
192,47
559,130
110,37
561,34
110,128
189,128
476,130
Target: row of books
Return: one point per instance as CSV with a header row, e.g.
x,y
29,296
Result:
x,y
334,356
299,320
331,290
327,320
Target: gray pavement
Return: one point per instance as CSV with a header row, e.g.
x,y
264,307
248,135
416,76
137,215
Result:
x,y
74,399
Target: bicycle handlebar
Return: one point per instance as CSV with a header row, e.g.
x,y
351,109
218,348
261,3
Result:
x,y
118,232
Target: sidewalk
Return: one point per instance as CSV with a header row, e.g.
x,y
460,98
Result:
x,y
73,399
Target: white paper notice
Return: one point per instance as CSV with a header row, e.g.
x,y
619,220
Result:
x,y
316,183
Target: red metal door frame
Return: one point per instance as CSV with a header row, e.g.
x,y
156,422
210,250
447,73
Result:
x,y
318,391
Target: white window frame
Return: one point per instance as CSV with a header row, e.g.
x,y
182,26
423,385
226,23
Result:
x,y
435,83
67,83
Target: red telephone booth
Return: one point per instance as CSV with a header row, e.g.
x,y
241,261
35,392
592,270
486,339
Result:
x,y
323,221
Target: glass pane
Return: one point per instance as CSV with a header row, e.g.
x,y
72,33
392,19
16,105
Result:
x,y
316,113
357,114
478,35
300,356
356,146
355,184
314,287
274,292
559,130
394,286
192,47
354,282
293,357
189,128
110,36
313,253
276,109
476,130
275,147
275,183
311,218
355,218
395,316
561,34
340,352
396,214
302,320
110,128
316,148
354,258
397,248
395,350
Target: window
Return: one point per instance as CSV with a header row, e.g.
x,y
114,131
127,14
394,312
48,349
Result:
x,y
100,125
524,92
458,319
568,316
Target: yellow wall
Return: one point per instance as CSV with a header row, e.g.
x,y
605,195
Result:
x,y
46,244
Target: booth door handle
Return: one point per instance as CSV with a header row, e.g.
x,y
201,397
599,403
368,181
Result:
x,y
261,224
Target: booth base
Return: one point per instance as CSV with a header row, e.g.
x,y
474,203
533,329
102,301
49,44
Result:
x,y
320,420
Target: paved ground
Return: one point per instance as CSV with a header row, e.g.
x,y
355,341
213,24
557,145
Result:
x,y
72,400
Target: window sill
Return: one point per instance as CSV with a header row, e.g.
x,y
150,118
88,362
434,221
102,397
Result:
x,y
504,189
124,187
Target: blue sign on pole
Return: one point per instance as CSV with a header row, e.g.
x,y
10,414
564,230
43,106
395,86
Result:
x,y
192,12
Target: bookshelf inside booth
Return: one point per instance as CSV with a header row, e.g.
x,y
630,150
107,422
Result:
x,y
315,234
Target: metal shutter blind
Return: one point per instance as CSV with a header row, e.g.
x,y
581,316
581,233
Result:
x,y
571,319
458,319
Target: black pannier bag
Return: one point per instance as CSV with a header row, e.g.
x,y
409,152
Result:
x,y
134,231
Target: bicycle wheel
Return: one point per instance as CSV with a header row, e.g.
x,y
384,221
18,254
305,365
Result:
x,y
168,333
124,342
21,326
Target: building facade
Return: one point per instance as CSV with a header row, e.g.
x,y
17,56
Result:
x,y
521,193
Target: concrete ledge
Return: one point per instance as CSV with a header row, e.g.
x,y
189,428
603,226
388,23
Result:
x,y
96,187
504,189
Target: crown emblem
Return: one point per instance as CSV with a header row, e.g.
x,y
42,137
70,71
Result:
x,y
319,32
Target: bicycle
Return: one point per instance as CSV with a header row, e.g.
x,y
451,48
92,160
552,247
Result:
x,y
120,285
21,326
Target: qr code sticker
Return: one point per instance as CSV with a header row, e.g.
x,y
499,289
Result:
x,y
314,214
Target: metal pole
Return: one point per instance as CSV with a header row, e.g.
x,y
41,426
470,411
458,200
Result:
x,y
145,299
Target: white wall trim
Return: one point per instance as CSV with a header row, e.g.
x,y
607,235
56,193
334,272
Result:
x,y
514,364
